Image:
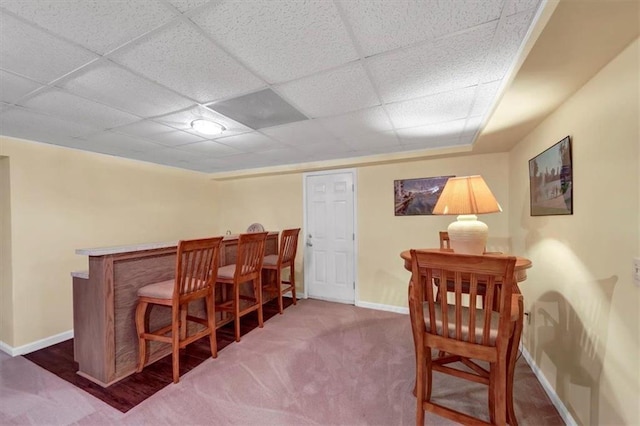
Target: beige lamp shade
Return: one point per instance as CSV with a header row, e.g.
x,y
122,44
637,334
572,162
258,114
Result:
x,y
467,196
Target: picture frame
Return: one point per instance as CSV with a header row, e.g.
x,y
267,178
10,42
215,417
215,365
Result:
x,y
551,180
413,197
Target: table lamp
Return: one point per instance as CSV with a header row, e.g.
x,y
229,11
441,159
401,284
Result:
x,y
467,196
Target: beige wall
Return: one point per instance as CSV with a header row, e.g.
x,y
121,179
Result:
x,y
273,201
585,328
382,278
277,203
63,199
6,292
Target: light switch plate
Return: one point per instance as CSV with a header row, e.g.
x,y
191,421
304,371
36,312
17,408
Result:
x,y
636,270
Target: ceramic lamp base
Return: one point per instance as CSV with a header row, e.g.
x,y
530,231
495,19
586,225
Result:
x,y
468,235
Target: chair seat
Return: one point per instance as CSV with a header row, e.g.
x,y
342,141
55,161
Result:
x,y
227,271
270,260
161,290
493,328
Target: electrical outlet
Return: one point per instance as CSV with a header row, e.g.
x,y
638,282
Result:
x,y
636,270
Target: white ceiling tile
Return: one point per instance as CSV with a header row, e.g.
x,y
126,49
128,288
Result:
x,y
485,98
381,25
509,38
434,109
183,59
283,155
357,122
335,92
210,148
436,67
471,128
35,54
13,87
73,108
299,133
182,120
447,64
119,143
166,156
280,40
159,133
431,144
98,25
432,133
186,5
114,86
26,124
515,6
386,139
325,149
251,142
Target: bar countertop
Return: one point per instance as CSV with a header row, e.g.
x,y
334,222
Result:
x,y
103,251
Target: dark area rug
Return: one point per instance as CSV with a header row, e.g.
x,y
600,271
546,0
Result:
x,y
132,390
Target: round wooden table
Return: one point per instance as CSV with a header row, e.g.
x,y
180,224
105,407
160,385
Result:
x,y
520,272
522,264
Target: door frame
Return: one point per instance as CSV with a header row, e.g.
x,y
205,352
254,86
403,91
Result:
x,y
354,173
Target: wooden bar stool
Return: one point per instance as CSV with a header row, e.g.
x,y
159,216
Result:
x,y
196,269
248,268
273,265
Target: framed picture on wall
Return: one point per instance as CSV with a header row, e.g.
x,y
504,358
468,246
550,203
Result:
x,y
551,180
417,196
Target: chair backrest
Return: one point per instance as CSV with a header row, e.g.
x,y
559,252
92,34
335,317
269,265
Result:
x,y
288,247
444,240
196,265
250,256
467,325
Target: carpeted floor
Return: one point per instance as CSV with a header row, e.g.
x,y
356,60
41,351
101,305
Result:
x,y
132,390
320,363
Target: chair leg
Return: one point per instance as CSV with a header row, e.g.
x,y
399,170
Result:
x,y
420,384
236,310
257,285
175,343
512,357
183,321
501,394
279,289
428,373
292,280
141,311
211,320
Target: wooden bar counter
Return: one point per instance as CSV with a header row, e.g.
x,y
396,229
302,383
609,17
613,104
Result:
x,y
104,302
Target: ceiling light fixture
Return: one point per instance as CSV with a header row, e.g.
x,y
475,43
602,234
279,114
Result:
x,y
207,127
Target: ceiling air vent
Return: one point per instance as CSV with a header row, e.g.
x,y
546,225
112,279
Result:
x,y
258,110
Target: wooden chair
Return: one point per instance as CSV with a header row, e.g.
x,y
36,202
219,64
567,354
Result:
x,y
273,265
444,240
491,328
196,268
445,244
248,268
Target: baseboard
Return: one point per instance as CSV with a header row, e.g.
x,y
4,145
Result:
x,y
381,307
555,400
34,346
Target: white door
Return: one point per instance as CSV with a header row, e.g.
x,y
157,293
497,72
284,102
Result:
x,y
330,236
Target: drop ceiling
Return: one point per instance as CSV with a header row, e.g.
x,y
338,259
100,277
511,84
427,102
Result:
x,y
366,78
